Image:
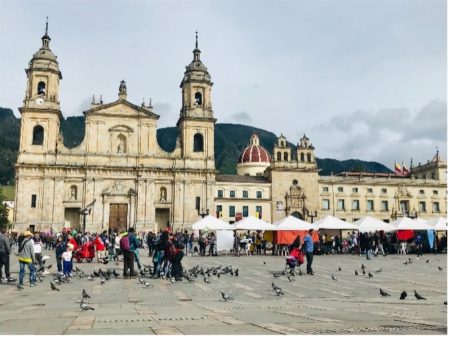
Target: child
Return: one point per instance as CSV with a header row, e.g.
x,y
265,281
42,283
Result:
x,y
67,260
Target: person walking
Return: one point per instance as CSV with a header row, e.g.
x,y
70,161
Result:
x,y
26,258
5,251
309,248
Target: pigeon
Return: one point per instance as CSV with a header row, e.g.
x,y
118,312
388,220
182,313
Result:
x,y
85,307
405,263
383,293
218,275
403,295
141,280
116,274
172,280
42,268
279,291
146,284
370,275
52,285
409,260
95,274
231,272
236,272
49,266
379,270
339,269
356,273
445,302
419,297
276,275
439,267
102,281
206,280
105,261
274,286
264,262
363,266
85,294
364,272
226,297
90,278
333,278
77,270
289,278
427,261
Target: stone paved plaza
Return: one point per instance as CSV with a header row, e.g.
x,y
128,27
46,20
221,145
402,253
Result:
x,y
311,304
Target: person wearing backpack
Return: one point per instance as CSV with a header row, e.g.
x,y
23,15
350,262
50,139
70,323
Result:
x,y
128,245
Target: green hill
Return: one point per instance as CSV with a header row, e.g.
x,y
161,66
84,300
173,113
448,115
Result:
x,y
229,140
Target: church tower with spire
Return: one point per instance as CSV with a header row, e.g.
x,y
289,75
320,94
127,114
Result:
x,y
41,108
196,122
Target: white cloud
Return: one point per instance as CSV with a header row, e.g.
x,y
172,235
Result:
x,y
387,135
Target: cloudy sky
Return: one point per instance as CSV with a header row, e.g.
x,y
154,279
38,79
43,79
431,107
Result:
x,y
363,79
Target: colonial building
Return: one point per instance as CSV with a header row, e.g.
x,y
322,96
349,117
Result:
x,y
119,176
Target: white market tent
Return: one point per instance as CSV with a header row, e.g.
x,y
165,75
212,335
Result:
x,y
370,224
211,223
331,222
291,223
438,223
406,223
252,223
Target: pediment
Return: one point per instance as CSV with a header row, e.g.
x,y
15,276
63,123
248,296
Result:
x,y
121,108
121,128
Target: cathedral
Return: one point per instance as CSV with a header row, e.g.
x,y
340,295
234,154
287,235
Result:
x,y
119,176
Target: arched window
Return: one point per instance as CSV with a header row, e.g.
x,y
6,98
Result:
x,y
198,98
302,156
309,157
282,143
121,144
41,88
73,192
38,135
279,156
286,156
198,142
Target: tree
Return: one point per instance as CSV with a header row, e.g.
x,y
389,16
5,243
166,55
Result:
x,y
3,213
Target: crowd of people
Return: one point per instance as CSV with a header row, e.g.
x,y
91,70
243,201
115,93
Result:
x,y
167,249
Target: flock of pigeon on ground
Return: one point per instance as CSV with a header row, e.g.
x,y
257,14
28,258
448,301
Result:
x,y
206,273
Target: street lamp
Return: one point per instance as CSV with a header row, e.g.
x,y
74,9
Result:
x,y
85,211
202,212
311,215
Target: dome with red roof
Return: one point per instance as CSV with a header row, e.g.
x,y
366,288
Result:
x,y
254,159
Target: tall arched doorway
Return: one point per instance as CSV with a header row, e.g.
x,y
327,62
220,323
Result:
x,y
298,215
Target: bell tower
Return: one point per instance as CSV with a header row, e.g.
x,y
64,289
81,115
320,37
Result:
x,y
196,122
41,108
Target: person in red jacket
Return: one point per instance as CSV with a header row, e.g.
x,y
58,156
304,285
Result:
x,y
100,248
70,239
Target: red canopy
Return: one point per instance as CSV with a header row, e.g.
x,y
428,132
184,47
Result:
x,y
404,235
287,237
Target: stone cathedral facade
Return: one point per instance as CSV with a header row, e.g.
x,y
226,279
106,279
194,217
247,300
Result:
x,y
120,177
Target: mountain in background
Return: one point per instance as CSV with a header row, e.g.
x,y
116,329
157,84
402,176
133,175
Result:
x,y
229,141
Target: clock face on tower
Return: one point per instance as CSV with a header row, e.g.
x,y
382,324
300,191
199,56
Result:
x,y
39,101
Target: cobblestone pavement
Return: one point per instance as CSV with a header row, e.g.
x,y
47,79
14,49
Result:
x,y
311,304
